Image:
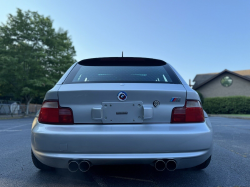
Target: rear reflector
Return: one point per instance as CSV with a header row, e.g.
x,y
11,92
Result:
x,y
191,112
52,113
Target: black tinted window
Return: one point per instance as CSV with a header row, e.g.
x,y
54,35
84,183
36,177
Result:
x,y
122,74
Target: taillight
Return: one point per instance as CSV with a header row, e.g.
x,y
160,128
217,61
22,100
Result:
x,y
51,112
191,112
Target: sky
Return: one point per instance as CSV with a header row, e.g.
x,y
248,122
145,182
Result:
x,y
195,37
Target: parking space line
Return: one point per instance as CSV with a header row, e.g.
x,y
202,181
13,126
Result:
x,y
16,127
127,178
98,179
243,155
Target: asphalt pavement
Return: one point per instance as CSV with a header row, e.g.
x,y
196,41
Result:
x,y
230,164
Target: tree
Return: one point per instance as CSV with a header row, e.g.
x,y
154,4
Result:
x,y
33,56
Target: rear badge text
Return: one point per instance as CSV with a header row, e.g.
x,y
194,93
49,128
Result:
x,y
175,99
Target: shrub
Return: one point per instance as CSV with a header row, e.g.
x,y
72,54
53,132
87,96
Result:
x,y
227,105
201,97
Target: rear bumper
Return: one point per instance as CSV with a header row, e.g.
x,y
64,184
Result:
x,y
189,144
183,160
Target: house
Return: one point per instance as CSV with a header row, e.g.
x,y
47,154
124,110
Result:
x,y
223,84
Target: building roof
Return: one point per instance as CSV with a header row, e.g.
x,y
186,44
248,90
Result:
x,y
201,79
243,72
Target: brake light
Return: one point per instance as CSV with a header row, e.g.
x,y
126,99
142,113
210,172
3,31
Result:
x,y
51,112
191,112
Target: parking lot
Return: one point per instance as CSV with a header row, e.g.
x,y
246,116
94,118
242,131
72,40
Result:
x,y
230,164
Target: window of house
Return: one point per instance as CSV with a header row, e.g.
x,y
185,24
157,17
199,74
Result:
x,y
226,81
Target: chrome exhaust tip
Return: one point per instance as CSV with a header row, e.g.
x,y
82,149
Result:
x,y
84,166
160,165
171,165
73,166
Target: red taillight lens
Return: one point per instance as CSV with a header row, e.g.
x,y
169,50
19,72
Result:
x,y
191,112
65,115
49,112
52,113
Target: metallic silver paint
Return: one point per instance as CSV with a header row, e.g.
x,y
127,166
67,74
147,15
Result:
x,y
205,114
191,94
52,94
189,144
154,138
83,98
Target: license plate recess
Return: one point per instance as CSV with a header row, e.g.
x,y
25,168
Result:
x,y
117,112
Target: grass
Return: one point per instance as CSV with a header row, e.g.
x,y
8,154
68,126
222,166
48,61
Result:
x,y
242,115
233,115
247,115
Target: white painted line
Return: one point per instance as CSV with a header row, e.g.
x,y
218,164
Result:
x,y
17,126
9,130
127,178
98,180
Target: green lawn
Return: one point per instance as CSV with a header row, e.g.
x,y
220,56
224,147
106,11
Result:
x,y
240,115
237,114
234,115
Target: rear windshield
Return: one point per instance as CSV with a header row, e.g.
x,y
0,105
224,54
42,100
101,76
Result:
x,y
122,74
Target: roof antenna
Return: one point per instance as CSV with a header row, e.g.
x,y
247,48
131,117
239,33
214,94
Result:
x,y
122,53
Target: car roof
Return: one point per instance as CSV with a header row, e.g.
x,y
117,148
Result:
x,y
122,61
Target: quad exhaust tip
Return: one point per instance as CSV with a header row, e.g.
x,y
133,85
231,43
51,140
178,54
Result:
x,y
160,165
84,166
73,166
171,165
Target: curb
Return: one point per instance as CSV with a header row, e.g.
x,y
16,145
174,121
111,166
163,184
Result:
x,y
226,116
15,117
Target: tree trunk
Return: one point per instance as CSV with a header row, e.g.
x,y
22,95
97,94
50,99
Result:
x,y
27,106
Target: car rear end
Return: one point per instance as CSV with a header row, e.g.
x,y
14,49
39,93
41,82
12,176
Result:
x,y
121,111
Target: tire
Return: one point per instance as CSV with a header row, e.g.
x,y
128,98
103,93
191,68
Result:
x,y
39,164
204,164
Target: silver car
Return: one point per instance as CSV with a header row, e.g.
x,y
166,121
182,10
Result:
x,y
122,110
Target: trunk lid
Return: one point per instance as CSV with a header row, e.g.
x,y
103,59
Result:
x,y
99,103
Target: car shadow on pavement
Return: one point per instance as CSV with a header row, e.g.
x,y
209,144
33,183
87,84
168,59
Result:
x,y
121,175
